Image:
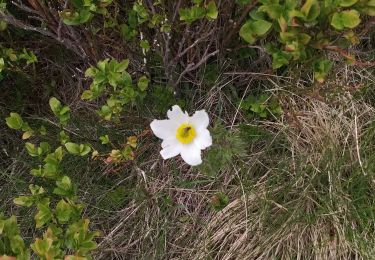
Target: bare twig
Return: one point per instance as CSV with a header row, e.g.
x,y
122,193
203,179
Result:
x,y
10,19
195,43
25,8
193,66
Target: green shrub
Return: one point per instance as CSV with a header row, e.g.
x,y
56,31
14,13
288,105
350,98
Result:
x,y
306,31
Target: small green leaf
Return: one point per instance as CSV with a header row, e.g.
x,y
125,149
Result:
x,y
31,149
261,27
87,95
192,14
122,66
55,105
310,10
247,33
104,139
127,32
44,214
72,148
211,10
26,201
141,11
45,248
77,149
59,153
36,190
2,64
76,18
3,27
63,211
145,45
63,137
62,112
79,238
143,83
64,187
91,72
28,56
84,149
17,244
14,121
345,19
253,28
45,147
321,69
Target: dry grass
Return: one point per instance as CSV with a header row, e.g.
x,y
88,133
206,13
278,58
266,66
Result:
x,y
248,229
293,204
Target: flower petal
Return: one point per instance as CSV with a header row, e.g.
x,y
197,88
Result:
x,y
177,116
171,151
200,119
163,128
203,139
170,141
191,154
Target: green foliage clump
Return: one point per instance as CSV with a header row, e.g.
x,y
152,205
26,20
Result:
x,y
13,61
199,11
219,201
58,211
15,121
111,79
226,147
83,11
306,30
11,242
264,106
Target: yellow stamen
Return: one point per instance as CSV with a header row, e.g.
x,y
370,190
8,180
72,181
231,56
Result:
x,y
185,133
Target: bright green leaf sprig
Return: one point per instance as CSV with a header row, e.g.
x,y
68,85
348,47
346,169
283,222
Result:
x,y
83,11
199,11
15,121
111,79
77,149
12,60
61,111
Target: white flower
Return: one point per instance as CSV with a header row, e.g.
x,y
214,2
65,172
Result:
x,y
183,134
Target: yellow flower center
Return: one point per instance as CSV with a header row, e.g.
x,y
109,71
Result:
x,y
185,133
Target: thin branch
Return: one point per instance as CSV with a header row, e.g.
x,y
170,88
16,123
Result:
x,y
25,8
193,66
17,23
179,55
10,19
